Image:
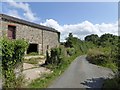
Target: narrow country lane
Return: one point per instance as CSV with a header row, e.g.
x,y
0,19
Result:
x,y
0,84
82,74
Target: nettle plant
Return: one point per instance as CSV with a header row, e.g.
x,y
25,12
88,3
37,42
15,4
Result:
x,y
12,56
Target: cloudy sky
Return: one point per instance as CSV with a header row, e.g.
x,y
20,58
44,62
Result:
x,y
80,18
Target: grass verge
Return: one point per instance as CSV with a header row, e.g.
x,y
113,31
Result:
x,y
103,57
112,83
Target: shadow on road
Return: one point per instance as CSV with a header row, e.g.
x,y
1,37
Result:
x,y
93,83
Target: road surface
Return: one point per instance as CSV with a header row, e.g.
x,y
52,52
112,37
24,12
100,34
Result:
x,y
82,74
0,83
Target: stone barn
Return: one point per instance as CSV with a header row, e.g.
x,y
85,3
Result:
x,y
40,38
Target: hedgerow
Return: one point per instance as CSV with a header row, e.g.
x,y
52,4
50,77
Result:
x,y
12,56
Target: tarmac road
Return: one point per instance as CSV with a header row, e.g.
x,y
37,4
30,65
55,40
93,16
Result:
x,y
0,83
82,74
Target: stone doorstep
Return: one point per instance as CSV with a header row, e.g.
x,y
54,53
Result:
x,y
41,62
27,66
35,56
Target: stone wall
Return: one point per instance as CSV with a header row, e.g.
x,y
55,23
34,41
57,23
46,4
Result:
x,y
33,35
0,27
50,40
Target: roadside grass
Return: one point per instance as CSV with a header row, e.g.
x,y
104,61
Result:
x,y
102,57
111,65
112,83
46,79
0,69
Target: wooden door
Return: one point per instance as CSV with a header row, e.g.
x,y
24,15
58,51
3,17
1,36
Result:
x,y
11,32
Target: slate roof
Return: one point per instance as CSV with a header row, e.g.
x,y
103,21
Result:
x,y
17,20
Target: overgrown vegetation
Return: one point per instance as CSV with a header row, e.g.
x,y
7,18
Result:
x,y
60,58
12,56
101,50
54,57
105,54
45,80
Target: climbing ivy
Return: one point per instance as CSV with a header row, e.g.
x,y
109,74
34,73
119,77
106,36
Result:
x,y
12,55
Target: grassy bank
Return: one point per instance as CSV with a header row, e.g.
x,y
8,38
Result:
x,y
103,57
112,83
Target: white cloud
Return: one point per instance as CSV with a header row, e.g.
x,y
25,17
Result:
x,y
13,13
80,30
28,14
52,23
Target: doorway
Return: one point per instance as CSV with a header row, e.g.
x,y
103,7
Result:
x,y
33,48
11,32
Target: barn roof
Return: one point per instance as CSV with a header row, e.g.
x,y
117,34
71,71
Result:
x,y
21,21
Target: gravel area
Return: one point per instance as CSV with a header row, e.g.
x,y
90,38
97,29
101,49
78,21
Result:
x,y
35,73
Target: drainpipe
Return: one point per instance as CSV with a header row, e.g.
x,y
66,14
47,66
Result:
x,y
42,41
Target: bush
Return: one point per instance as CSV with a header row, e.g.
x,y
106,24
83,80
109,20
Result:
x,y
112,83
55,56
96,56
70,51
103,57
12,56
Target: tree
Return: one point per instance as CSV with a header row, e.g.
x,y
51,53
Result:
x,y
93,38
108,40
69,41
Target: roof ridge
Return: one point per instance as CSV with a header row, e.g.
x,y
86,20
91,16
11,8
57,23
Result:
x,y
4,16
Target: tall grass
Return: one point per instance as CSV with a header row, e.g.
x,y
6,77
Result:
x,y
104,57
101,56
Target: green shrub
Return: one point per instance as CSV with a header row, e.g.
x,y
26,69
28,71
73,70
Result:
x,y
96,56
70,51
102,56
55,56
112,83
12,56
